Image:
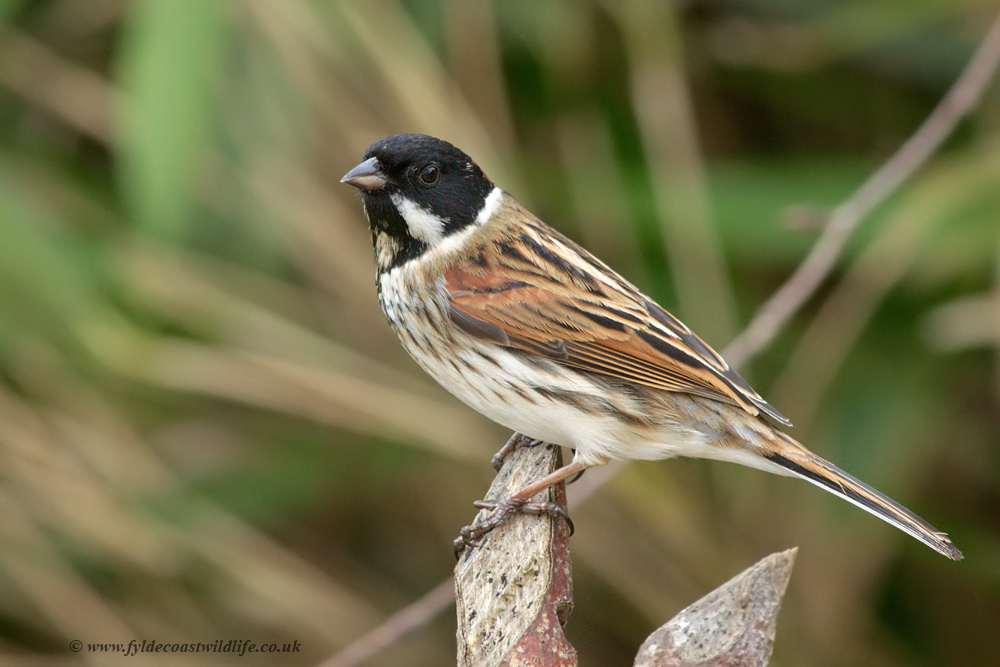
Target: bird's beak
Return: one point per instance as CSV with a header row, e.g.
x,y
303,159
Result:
x,y
366,176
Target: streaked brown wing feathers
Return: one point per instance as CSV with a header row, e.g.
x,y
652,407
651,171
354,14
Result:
x,y
610,329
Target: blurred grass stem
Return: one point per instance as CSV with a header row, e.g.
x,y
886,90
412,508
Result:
x,y
913,154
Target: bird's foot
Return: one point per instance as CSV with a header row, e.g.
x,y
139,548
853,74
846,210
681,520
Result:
x,y
515,441
501,510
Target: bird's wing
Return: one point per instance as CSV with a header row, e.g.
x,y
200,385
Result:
x,y
540,293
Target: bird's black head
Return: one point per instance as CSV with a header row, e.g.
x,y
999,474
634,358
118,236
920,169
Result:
x,y
417,191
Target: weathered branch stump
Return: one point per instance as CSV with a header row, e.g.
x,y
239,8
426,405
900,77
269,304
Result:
x,y
515,591
733,626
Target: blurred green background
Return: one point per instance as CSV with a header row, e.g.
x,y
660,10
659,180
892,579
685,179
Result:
x,y
207,431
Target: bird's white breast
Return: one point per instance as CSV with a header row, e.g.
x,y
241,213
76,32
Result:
x,y
502,385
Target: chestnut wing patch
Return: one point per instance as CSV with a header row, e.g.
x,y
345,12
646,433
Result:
x,y
609,330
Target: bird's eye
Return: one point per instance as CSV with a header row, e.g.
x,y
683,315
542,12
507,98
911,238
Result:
x,y
429,174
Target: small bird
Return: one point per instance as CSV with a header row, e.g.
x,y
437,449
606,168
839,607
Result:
x,y
533,331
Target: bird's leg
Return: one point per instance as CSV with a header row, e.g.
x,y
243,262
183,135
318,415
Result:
x,y
577,475
516,440
501,510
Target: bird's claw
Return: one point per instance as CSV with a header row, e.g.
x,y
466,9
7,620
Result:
x,y
501,510
515,441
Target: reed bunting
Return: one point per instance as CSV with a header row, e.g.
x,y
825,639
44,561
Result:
x,y
539,335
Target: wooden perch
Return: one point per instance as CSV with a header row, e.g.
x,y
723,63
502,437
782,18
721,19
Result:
x,y
731,626
514,593
515,590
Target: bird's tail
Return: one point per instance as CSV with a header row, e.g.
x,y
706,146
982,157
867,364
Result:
x,y
795,459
